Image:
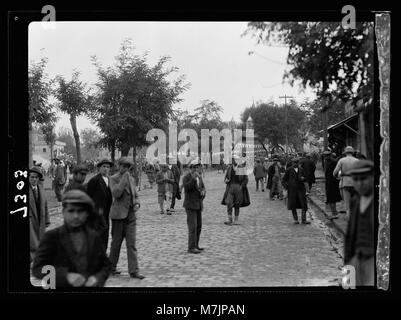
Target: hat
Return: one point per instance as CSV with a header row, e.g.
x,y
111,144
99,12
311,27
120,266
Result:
x,y
361,166
79,197
275,158
125,160
326,152
295,160
80,168
194,163
349,149
105,161
36,170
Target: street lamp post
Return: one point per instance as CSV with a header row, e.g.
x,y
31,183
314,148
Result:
x,y
286,120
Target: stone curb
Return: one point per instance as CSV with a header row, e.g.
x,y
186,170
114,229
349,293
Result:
x,y
321,207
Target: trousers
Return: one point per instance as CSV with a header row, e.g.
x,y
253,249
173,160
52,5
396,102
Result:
x,y
194,221
124,229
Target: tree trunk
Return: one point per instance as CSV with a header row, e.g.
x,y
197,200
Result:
x,y
125,150
113,152
73,121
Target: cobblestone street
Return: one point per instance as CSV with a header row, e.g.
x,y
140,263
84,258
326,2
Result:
x,y
265,250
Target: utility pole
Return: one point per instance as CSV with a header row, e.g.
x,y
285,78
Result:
x,y
286,120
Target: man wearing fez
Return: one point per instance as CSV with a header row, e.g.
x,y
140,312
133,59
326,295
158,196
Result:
x,y
359,249
74,250
79,175
99,190
195,192
123,217
59,179
294,182
38,212
236,194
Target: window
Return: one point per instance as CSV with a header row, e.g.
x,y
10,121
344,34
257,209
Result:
x,y
44,150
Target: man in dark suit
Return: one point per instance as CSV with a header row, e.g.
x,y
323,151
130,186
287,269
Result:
x,y
38,212
294,182
123,217
175,169
309,167
75,251
359,248
100,192
195,192
59,179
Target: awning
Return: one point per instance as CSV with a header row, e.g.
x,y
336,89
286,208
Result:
x,y
344,123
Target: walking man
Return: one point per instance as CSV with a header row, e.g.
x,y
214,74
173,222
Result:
x,y
123,217
165,182
346,183
74,250
274,180
39,215
259,173
176,194
236,194
195,192
100,192
309,167
294,182
79,175
359,249
331,183
59,179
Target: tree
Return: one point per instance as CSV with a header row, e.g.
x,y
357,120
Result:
x,y
74,100
39,88
336,62
134,98
90,144
270,125
65,135
49,134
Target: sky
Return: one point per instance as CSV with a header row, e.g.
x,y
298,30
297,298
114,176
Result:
x,y
213,56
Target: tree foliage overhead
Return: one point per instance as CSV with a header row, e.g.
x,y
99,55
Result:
x,y
39,88
324,55
135,97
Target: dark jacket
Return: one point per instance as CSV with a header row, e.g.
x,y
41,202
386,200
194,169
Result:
x,y
309,167
352,235
176,186
294,183
243,181
333,194
56,249
75,185
193,196
270,172
101,196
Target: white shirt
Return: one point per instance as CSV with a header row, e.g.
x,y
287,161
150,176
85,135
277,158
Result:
x,y
364,203
106,180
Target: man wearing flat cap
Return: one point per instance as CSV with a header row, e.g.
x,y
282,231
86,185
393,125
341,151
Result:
x,y
38,212
359,249
98,189
195,192
79,175
123,217
346,184
74,250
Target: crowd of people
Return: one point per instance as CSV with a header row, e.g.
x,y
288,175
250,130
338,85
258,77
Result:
x,y
78,248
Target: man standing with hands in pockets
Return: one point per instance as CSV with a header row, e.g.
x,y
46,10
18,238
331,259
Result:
x,y
123,217
195,192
